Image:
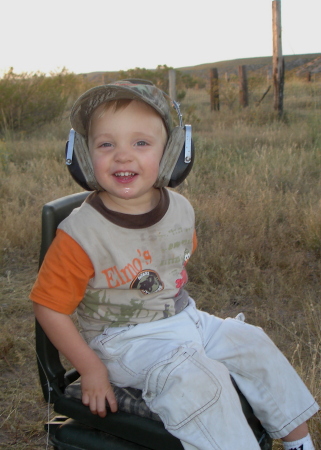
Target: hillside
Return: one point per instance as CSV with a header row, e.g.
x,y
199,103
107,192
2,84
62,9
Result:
x,y
296,63
299,64
313,66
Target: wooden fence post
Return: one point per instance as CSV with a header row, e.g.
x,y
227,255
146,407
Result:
x,y
278,60
172,83
214,90
243,89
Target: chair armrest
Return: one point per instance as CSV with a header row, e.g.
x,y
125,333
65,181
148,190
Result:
x,y
71,376
51,371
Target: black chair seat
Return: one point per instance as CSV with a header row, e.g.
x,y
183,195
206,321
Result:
x,y
72,435
139,430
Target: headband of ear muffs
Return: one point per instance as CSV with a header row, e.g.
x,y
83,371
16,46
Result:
x,y
175,165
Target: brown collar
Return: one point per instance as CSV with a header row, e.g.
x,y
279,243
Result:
x,y
131,221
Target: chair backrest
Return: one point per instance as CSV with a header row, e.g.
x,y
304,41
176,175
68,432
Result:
x,y
51,371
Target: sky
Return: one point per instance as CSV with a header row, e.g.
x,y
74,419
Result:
x,y
104,35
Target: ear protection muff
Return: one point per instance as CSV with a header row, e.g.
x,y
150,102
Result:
x,y
79,163
178,158
185,160
75,171
176,163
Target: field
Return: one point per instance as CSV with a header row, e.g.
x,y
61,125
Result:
x,y
256,190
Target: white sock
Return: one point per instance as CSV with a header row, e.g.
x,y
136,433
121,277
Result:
x,y
302,444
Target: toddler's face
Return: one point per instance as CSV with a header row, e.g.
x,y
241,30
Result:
x,y
126,147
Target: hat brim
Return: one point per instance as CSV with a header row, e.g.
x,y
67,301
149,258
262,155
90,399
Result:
x,y
90,100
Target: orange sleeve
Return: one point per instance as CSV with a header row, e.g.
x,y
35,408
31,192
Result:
x,y
63,275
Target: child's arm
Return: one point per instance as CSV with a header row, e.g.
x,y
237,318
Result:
x,y
95,385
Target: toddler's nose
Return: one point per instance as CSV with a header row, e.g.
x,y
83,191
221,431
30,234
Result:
x,y
123,153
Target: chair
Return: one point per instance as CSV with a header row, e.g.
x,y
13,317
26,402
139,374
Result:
x,y
133,427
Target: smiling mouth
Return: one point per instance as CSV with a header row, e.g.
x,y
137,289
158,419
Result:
x,y
124,174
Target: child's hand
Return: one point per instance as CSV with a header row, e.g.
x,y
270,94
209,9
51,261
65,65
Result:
x,y
96,389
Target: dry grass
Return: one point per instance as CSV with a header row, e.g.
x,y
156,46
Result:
x,y
22,410
256,190
32,174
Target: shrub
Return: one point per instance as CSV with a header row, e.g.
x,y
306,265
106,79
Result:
x,y
159,77
29,101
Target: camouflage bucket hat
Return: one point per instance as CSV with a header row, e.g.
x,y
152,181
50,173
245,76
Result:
x,y
125,89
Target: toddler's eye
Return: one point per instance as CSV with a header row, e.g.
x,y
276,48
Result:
x,y
105,144
141,143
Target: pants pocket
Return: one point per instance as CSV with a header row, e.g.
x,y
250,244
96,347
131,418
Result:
x,y
113,349
181,387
